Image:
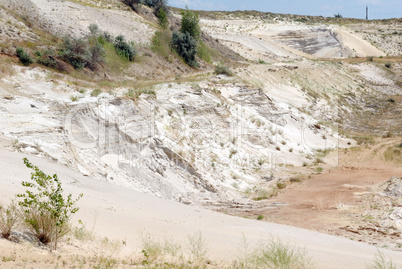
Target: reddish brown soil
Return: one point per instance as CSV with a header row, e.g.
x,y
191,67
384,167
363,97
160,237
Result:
x,y
339,200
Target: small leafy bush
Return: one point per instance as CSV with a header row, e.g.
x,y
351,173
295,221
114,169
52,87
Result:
x,y
124,49
75,51
186,46
46,58
9,217
46,210
280,185
222,69
24,57
388,65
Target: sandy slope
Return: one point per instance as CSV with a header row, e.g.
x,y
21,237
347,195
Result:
x,y
121,213
259,39
65,17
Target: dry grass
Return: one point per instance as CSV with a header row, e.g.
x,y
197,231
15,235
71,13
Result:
x,y
394,154
9,218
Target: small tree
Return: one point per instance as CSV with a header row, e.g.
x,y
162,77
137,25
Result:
x,y
339,16
190,23
47,211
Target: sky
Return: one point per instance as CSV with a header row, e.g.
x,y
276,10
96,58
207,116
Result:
x,y
378,9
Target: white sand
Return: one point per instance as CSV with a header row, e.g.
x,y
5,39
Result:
x,y
120,214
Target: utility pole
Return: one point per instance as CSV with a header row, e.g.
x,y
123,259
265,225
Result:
x,y
366,12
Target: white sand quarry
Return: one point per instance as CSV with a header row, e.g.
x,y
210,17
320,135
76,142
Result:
x,y
121,214
259,39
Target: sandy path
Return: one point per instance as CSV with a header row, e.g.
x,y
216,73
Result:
x,y
121,213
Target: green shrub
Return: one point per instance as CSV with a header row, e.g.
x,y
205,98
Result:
x,y
161,43
388,65
97,55
319,169
132,3
75,51
8,219
338,16
260,217
96,92
157,5
24,57
46,211
93,30
162,19
280,185
105,37
222,69
186,46
204,52
46,58
190,23
124,49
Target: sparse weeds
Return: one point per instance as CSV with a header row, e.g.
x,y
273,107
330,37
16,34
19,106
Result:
x,y
222,69
134,94
9,218
198,247
279,255
364,140
381,262
151,248
155,251
273,254
262,193
96,92
319,169
393,154
232,153
82,234
105,263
